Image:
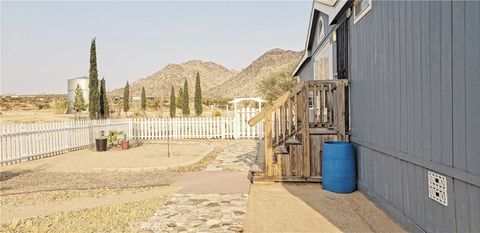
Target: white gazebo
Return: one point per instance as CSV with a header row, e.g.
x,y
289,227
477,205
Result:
x,y
242,116
235,101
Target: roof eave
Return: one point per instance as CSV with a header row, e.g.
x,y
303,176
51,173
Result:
x,y
332,12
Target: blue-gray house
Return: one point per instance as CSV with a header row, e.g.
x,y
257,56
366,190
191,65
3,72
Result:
x,y
412,103
401,81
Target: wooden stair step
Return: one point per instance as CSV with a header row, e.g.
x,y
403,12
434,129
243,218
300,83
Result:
x,y
321,131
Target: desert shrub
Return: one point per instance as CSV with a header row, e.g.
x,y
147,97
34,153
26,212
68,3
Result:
x,y
276,84
114,137
138,115
217,113
43,106
59,106
217,101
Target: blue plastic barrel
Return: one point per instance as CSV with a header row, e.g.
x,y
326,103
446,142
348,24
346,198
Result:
x,y
338,167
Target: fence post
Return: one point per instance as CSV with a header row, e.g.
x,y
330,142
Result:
x,y
65,137
22,140
90,129
223,127
130,129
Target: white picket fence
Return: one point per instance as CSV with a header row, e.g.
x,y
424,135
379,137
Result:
x,y
27,141
198,127
184,128
31,141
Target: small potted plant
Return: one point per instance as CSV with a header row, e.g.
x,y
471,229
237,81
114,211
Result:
x,y
125,143
101,142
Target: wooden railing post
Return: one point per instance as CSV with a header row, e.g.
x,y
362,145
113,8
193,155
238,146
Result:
x,y
268,145
306,133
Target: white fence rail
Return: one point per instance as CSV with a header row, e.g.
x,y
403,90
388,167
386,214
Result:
x,y
31,141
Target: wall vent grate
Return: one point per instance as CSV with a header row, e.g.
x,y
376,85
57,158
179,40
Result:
x,y
437,188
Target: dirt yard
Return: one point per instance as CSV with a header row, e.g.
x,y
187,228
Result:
x,y
86,191
307,208
152,156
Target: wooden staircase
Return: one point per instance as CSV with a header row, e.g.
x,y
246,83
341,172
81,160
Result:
x,y
297,124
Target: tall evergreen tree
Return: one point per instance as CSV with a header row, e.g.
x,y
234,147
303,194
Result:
x,y
179,99
185,102
79,103
173,107
143,101
102,111
198,96
107,108
93,105
126,98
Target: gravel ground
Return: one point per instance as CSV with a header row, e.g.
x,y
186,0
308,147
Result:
x,y
62,195
117,218
48,181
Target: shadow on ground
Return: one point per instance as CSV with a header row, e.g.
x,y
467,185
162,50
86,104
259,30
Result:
x,y
347,212
7,175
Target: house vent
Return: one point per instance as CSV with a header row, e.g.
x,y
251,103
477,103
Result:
x,y
437,188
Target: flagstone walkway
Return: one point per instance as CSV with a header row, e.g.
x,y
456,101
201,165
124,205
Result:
x,y
237,157
212,200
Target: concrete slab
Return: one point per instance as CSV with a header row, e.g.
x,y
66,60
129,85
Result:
x,y
220,182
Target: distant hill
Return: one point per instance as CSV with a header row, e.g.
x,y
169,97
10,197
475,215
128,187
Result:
x,y
217,81
159,83
244,84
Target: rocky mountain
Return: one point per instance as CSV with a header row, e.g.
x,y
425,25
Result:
x,y
217,81
160,83
244,84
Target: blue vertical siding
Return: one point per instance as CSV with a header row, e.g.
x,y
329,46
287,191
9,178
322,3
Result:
x,y
415,94
415,88
472,84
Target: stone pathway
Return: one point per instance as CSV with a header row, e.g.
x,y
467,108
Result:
x,y
237,157
213,200
200,213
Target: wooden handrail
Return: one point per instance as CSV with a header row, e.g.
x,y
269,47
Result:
x,y
278,102
309,104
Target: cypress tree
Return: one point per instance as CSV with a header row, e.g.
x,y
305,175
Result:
x,y
173,107
143,105
179,100
79,103
185,103
126,98
93,104
198,96
107,107
102,111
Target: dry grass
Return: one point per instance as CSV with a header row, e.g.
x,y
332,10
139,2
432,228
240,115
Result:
x,y
117,218
62,195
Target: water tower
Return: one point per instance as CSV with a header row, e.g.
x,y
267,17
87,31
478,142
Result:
x,y
72,86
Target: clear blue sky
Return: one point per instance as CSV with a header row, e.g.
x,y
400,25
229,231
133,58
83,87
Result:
x,y
45,43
